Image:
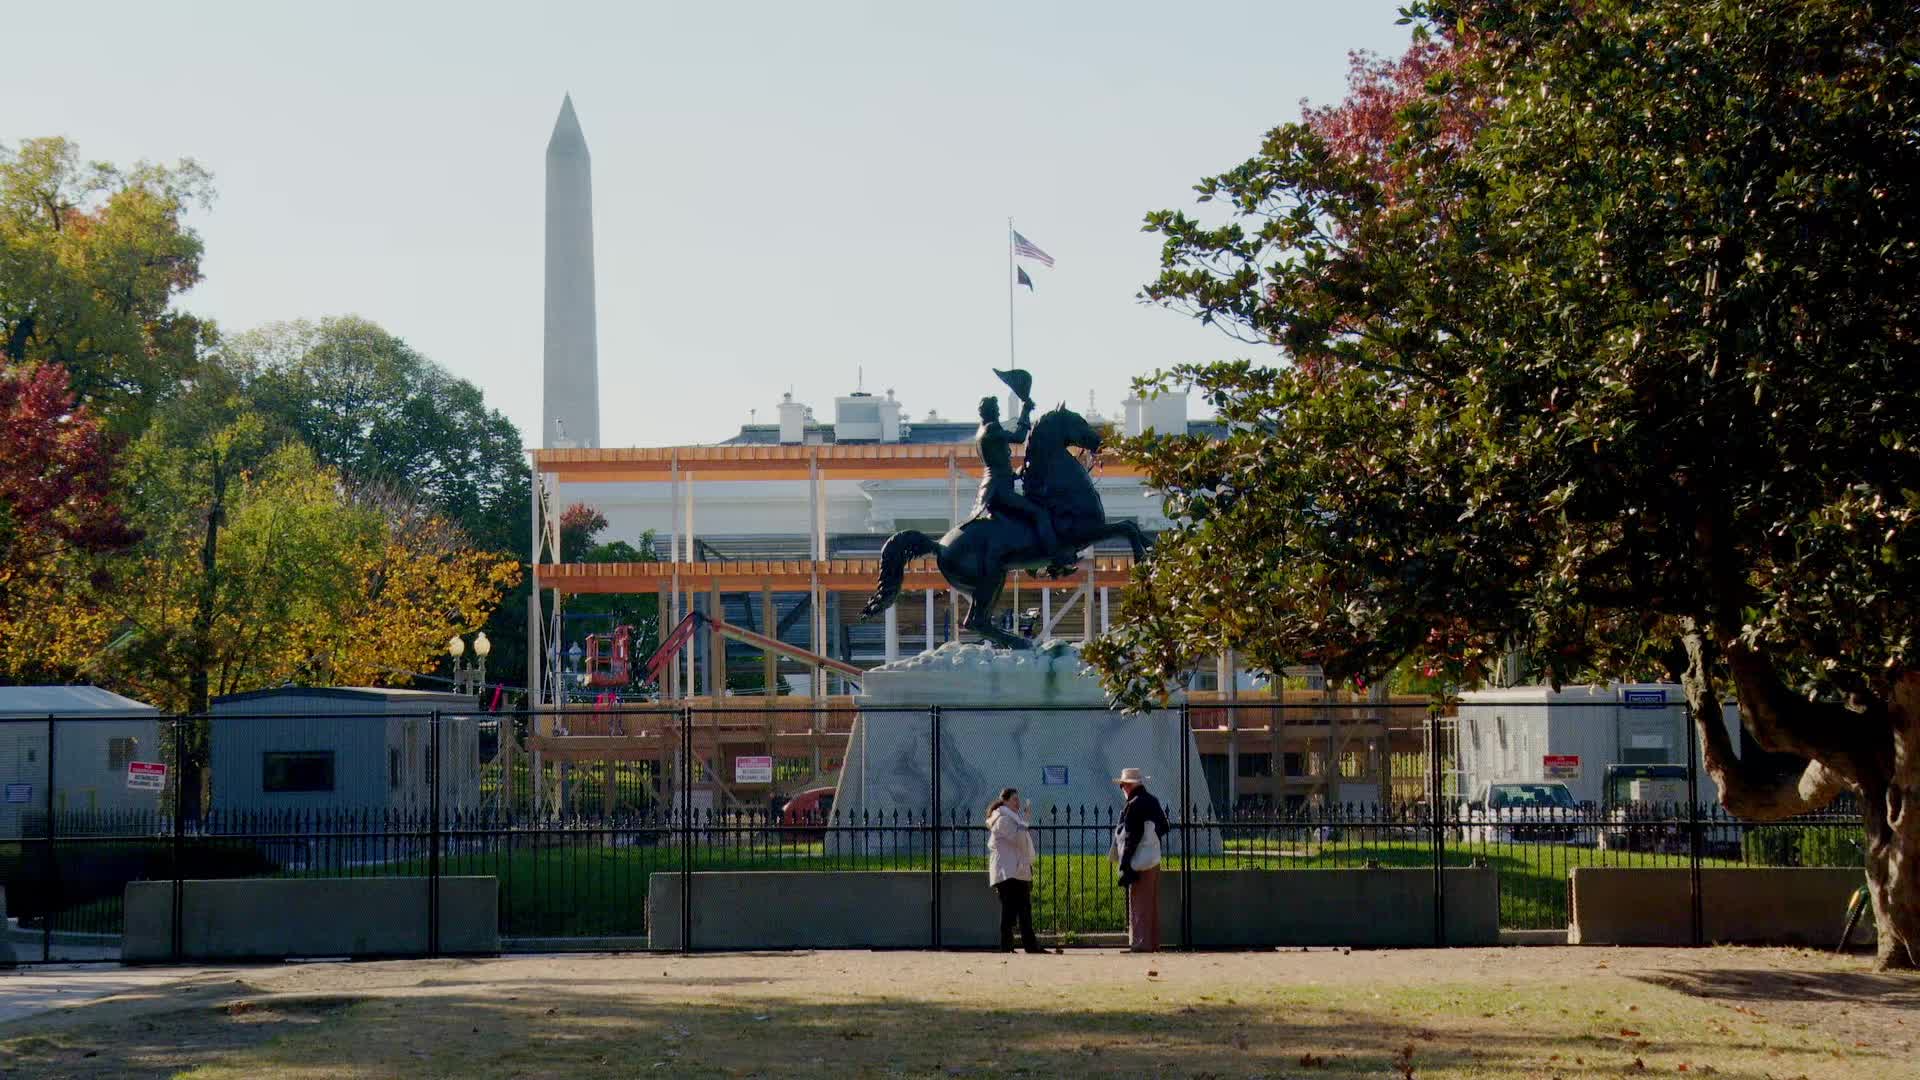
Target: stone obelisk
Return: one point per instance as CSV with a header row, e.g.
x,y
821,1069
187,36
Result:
x,y
570,405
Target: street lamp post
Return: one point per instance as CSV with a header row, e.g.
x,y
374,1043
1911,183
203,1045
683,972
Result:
x,y
469,678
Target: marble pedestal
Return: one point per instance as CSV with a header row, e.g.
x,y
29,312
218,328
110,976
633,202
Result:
x,y
1035,720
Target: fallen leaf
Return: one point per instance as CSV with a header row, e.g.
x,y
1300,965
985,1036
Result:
x,y
1629,1033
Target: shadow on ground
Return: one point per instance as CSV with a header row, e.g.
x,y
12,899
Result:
x,y
538,1029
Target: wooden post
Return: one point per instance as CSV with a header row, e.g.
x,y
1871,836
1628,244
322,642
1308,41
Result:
x,y
692,684
716,647
816,617
893,633
770,626
1086,611
667,606
928,628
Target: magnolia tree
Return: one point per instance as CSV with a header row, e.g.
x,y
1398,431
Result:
x,y
1589,330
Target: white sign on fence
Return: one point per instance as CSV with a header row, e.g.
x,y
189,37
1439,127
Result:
x,y
19,793
753,769
146,776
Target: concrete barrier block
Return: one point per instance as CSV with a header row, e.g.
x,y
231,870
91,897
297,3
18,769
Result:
x,y
275,918
823,909
7,956
1235,909
1383,908
1740,905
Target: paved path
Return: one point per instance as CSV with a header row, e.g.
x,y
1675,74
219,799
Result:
x,y
30,990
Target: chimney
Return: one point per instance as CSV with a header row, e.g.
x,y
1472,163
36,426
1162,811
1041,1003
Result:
x,y
793,421
1164,413
890,411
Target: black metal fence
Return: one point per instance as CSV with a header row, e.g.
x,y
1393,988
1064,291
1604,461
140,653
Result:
x,y
93,803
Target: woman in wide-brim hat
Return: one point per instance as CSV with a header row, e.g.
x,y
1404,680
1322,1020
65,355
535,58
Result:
x,y
1136,848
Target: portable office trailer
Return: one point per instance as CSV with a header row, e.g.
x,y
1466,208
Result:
x,y
356,748
1536,733
102,734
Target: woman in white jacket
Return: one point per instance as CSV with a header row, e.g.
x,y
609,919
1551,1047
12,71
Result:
x,y
1010,855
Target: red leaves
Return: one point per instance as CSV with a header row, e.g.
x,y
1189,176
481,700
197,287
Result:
x,y
1364,126
56,470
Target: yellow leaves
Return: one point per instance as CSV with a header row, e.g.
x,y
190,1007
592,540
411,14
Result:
x,y
410,601
47,625
311,585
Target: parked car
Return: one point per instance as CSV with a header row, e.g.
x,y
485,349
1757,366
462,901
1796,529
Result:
x,y
805,815
1522,813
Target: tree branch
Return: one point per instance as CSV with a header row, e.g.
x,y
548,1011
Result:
x,y
1744,788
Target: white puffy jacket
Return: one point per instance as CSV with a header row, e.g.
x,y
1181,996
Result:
x,y
1010,848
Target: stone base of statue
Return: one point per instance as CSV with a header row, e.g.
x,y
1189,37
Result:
x,y
1035,719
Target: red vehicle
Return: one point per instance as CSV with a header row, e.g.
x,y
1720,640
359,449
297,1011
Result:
x,y
809,808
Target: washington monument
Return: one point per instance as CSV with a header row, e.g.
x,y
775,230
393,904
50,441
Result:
x,y
570,406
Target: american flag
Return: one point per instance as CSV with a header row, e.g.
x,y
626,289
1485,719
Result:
x,y
1024,248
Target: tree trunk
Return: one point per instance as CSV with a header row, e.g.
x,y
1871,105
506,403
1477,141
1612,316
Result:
x,y
1888,783
201,648
1892,811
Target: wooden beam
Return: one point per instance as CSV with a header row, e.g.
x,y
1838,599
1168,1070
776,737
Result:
x,y
782,575
876,461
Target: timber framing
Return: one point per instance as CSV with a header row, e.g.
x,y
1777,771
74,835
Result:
x,y
791,575
862,461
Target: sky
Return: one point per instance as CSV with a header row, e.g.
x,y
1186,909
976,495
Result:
x,y
787,196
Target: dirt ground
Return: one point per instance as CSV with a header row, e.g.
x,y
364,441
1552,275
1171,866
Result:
x,y
1460,1013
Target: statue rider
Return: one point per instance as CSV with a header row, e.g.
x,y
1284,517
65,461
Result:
x,y
994,442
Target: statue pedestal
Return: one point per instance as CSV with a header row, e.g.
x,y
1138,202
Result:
x,y
1034,720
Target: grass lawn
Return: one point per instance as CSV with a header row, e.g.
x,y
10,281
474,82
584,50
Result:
x,y
1458,1015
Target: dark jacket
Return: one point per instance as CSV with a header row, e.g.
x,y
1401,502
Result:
x,y
1142,809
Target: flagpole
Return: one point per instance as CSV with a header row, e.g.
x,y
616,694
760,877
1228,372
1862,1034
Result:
x,y
1010,363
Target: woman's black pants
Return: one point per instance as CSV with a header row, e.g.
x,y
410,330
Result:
x,y
1016,905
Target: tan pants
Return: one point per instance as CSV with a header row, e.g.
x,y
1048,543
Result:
x,y
1143,912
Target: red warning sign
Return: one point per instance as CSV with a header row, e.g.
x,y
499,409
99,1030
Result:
x,y
146,776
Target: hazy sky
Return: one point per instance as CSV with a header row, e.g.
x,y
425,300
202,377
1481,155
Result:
x,y
784,192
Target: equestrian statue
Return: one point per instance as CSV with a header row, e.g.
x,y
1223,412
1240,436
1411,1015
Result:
x,y
1040,526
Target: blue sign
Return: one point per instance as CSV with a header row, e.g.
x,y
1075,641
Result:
x,y
1053,775
19,793
1644,699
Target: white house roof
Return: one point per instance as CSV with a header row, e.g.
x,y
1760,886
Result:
x,y
66,701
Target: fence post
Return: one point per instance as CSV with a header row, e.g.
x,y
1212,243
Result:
x,y
53,896
178,931
1186,827
433,833
686,828
1695,911
1439,829
933,820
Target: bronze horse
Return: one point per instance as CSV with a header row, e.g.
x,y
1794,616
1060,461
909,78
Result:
x,y
976,555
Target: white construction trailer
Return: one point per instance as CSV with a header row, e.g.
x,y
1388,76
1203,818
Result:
x,y
97,734
1530,734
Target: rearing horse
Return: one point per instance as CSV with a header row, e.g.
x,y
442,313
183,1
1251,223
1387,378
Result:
x,y
975,555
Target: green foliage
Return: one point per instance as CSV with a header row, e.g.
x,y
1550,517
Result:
x,y
384,415
91,259
1639,350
